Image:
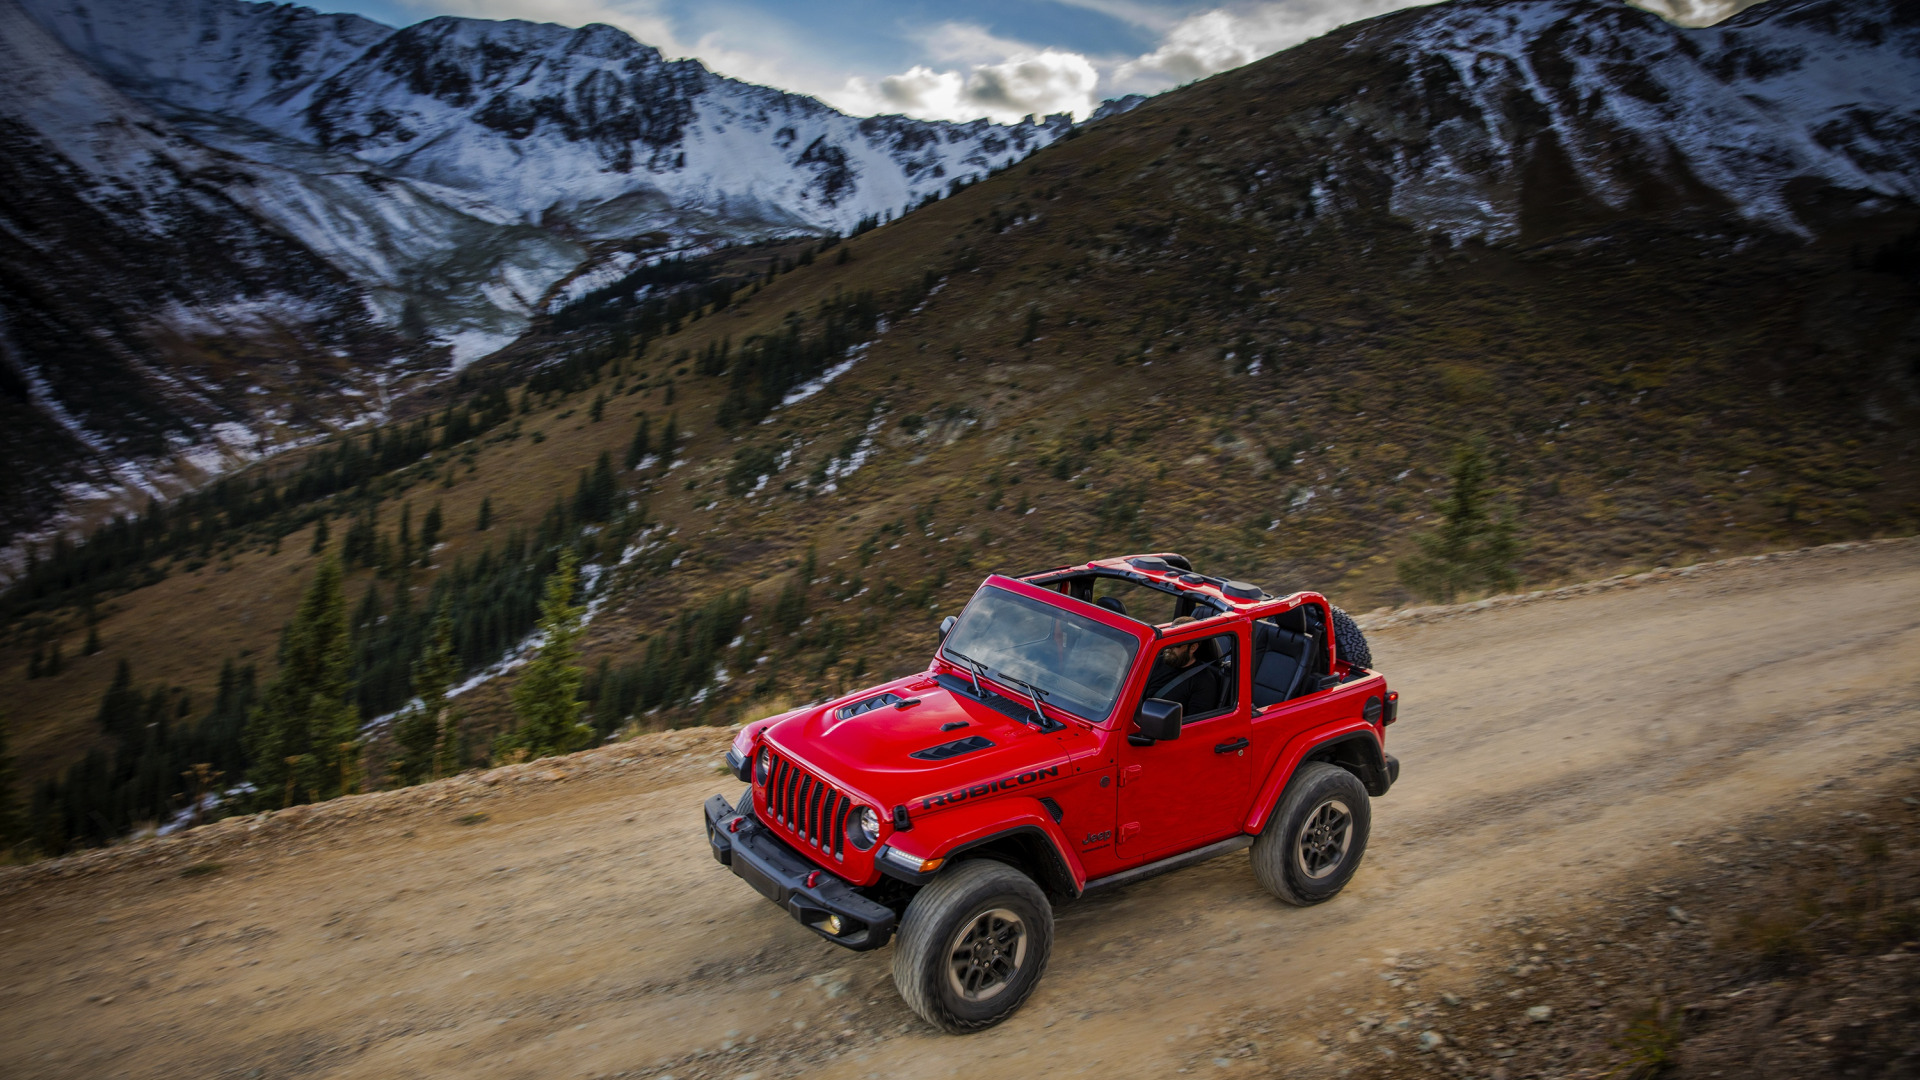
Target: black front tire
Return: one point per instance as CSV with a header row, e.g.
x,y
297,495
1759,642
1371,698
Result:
x,y
1316,837
972,946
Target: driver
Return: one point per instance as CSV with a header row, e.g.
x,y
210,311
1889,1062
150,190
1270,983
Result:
x,y
1178,675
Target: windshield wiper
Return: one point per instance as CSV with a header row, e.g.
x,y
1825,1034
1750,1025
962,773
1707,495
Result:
x,y
1036,694
974,669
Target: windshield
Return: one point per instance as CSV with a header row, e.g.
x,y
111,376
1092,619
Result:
x,y
1078,664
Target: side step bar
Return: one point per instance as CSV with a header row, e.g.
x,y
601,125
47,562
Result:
x,y
1175,862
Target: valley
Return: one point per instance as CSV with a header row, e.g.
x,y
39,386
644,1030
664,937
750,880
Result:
x,y
1238,321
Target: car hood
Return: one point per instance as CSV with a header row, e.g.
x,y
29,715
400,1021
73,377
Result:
x,y
872,752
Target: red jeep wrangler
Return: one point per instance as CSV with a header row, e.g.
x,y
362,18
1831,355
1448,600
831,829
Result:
x,y
1078,729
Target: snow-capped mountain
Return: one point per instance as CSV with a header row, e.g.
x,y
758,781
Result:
x,y
133,277
193,179
539,123
226,222
1507,107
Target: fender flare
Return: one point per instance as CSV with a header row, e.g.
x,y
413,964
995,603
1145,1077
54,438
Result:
x,y
1356,733
1021,823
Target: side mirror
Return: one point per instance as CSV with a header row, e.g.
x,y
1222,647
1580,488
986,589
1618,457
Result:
x,y
946,624
1159,719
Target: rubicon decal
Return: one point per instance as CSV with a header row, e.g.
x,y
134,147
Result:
x,y
981,790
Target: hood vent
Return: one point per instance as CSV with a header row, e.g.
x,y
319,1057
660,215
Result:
x,y
953,749
870,704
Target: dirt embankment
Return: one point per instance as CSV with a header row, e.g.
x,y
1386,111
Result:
x,y
1563,757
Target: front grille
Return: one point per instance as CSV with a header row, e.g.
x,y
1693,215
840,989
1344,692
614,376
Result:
x,y
807,807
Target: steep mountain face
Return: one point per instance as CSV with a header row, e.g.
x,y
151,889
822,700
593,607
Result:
x,y
140,297
233,220
1502,110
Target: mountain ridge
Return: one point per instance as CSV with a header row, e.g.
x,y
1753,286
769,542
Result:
x,y
291,121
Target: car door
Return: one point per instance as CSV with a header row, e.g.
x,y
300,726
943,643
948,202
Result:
x,y
1182,793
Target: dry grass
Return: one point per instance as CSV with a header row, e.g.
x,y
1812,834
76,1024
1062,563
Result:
x,y
1666,397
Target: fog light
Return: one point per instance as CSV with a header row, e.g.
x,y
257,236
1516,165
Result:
x,y
834,925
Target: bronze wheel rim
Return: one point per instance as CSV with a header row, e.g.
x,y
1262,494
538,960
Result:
x,y
1324,839
986,956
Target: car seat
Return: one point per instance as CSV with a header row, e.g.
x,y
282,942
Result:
x,y
1281,658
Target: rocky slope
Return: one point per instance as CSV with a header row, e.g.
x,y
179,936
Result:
x,y
373,197
141,295
1514,117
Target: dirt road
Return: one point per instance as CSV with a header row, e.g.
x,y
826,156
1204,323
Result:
x,y
1555,751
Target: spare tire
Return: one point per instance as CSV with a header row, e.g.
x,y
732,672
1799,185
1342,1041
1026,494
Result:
x,y
1350,641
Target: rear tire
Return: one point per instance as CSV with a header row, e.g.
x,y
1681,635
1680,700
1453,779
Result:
x,y
972,946
1316,837
1350,641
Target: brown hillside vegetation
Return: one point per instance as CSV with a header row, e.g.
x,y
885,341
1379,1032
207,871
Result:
x,y
1155,336
1641,808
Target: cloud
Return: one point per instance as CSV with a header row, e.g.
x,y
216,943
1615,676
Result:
x,y
1224,38
993,77
1140,13
1042,83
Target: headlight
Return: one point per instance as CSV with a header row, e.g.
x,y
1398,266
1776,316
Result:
x,y
863,828
762,765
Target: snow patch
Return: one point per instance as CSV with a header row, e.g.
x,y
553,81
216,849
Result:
x,y
471,345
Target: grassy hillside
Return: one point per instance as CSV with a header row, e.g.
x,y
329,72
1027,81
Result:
x,y
1152,336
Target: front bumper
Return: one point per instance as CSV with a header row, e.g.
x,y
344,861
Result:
x,y
779,873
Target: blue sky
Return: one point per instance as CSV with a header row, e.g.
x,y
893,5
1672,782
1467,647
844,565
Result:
x,y
956,61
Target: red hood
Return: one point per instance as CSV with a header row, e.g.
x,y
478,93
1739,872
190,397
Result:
x,y
871,753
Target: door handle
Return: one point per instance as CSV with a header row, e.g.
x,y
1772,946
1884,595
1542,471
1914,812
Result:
x,y
1230,746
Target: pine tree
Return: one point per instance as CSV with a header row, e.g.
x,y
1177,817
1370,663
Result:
x,y
406,535
122,710
427,733
1468,549
362,543
598,407
546,699
92,645
294,739
319,536
637,449
597,492
12,823
669,438
430,533
486,514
